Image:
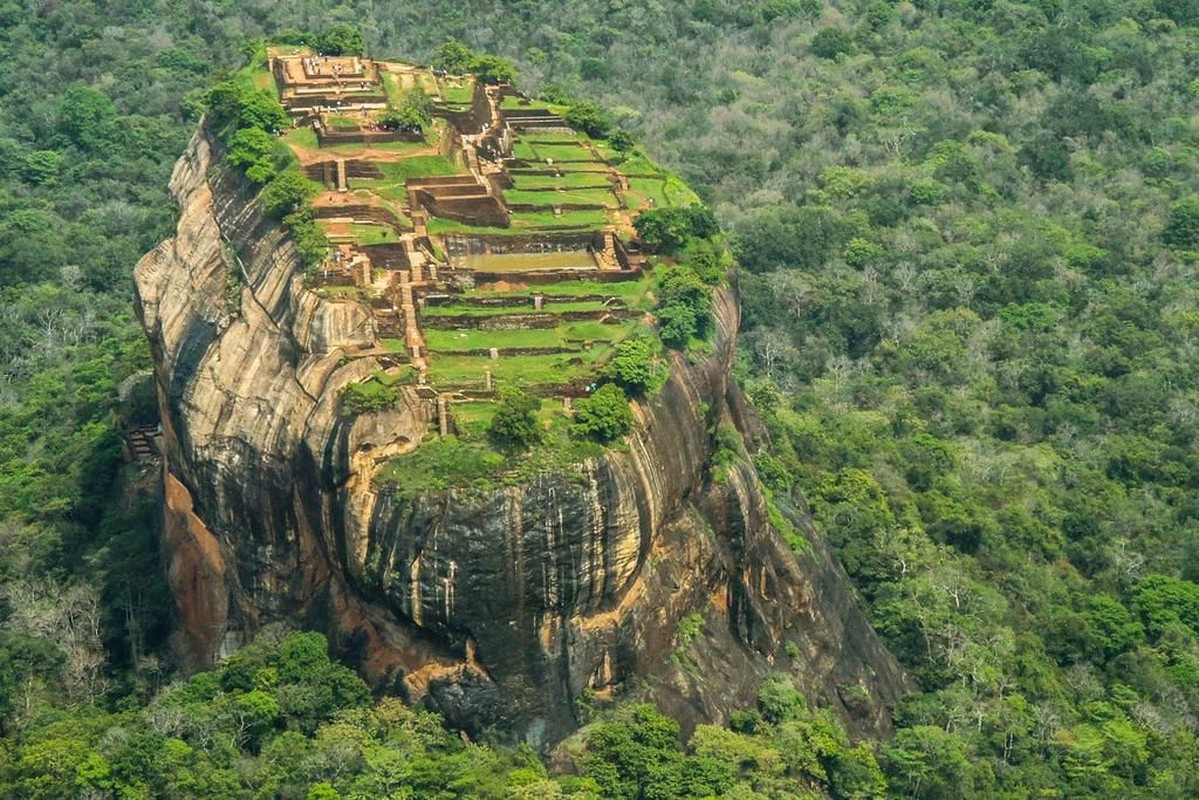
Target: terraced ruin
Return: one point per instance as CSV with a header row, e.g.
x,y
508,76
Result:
x,y
494,244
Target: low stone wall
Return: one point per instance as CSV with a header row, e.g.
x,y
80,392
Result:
x,y
471,189
480,210
376,214
543,277
331,101
482,244
442,180
330,137
509,352
324,172
524,301
550,204
365,170
510,322
389,255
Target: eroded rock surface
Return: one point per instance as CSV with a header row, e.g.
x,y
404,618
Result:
x,y
500,608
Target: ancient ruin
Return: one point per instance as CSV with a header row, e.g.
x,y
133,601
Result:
x,y
493,246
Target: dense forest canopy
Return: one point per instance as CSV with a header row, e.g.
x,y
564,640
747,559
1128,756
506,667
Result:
x,y
967,233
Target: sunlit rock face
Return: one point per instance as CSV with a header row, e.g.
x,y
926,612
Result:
x,y
499,608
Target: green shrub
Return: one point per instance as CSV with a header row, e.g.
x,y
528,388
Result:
x,y
363,398
604,416
632,365
684,307
671,229
831,42
341,40
286,192
310,240
589,118
414,113
1182,228
236,104
514,427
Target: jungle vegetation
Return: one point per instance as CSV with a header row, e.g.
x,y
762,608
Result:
x,y
967,234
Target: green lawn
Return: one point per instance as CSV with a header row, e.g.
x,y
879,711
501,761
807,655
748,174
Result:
x,y
394,345
338,292
564,152
567,219
524,151
643,190
392,185
561,336
640,166
468,460
568,180
516,370
304,136
513,102
432,137
448,341
457,90
556,138
633,289
341,123
592,168
439,226
419,167
500,311
597,197
367,233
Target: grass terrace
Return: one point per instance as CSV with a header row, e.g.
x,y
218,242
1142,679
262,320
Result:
x,y
557,197
525,262
342,122
547,220
369,233
564,151
524,222
303,136
467,460
635,293
665,192
511,102
453,310
566,335
456,91
566,180
452,372
339,292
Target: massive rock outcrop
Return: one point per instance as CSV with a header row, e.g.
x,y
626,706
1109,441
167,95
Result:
x,y
501,607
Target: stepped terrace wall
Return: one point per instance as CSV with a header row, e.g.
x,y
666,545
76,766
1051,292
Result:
x,y
331,137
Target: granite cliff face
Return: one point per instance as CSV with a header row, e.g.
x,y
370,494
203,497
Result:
x,y
498,608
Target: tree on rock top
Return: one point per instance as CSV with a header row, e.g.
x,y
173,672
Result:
x,y
671,229
514,427
605,415
632,365
589,118
341,40
453,57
